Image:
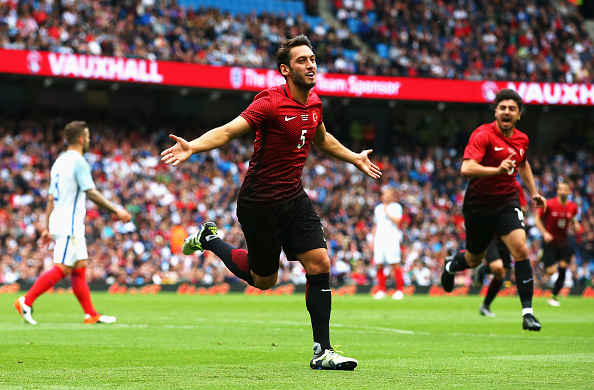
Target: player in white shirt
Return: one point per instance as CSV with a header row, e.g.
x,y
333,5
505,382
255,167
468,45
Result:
x,y
387,237
71,184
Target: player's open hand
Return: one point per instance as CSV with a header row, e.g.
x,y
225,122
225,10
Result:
x,y
178,152
364,164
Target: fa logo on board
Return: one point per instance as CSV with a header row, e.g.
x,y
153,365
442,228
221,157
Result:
x,y
34,61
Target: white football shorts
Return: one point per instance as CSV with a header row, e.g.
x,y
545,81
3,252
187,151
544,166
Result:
x,y
386,252
70,249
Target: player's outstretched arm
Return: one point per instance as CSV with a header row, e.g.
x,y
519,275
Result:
x,y
330,145
212,139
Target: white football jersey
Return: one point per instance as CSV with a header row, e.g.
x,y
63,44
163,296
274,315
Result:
x,y
71,177
385,228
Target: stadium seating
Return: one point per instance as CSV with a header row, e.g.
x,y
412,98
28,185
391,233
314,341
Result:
x,y
537,41
275,7
476,39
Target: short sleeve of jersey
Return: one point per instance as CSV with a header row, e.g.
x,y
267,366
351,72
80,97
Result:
x,y
477,144
260,109
82,174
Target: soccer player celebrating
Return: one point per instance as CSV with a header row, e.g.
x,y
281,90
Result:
x,y
71,184
559,214
273,209
495,153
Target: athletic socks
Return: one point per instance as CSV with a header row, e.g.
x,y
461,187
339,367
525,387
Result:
x,y
560,280
43,283
80,288
318,299
458,264
492,291
525,283
381,278
399,278
235,259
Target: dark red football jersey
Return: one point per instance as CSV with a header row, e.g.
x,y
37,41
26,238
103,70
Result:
x,y
284,129
556,219
489,148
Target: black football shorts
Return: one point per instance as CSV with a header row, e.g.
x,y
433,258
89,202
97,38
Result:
x,y
482,227
294,227
552,254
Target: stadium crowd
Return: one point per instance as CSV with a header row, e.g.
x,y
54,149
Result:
x,y
126,166
536,40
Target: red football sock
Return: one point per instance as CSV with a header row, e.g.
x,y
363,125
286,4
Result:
x,y
43,283
381,278
240,258
80,288
235,259
399,278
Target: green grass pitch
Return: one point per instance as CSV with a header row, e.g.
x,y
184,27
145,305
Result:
x,y
169,341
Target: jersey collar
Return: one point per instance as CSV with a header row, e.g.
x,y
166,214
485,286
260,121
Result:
x,y
287,91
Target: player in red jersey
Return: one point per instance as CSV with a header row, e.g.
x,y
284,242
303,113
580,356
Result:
x,y
495,153
553,223
273,209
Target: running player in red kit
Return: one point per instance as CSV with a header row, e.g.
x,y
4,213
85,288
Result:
x,y
553,223
273,209
495,153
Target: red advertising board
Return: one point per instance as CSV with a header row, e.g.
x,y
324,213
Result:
x,y
117,69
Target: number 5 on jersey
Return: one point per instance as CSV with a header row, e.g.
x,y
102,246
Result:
x,y
302,139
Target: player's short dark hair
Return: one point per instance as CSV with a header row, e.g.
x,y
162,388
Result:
x,y
508,94
283,55
73,131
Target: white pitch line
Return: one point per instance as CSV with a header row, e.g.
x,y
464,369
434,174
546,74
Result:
x,y
290,323
275,325
202,325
